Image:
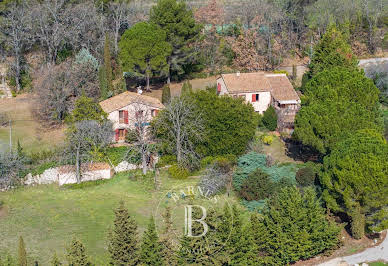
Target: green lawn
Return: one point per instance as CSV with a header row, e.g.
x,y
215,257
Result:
x,y
48,216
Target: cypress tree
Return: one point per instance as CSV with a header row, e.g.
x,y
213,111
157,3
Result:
x,y
186,88
270,119
76,254
22,258
123,246
55,260
107,63
168,252
151,249
166,94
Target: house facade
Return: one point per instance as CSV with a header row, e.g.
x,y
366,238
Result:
x,y
263,89
128,109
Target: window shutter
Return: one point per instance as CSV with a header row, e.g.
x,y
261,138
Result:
x,y
218,87
253,98
116,135
156,112
125,117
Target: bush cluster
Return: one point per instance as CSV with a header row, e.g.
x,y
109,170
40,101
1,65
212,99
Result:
x,y
178,172
166,160
306,176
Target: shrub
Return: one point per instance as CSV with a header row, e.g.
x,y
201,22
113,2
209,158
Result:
x,y
178,172
1,204
43,167
306,176
166,160
130,137
267,139
118,154
270,119
257,186
214,180
206,161
251,161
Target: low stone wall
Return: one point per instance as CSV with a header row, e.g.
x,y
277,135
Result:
x,y
66,175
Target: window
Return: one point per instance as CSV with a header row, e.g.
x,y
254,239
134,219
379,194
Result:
x,y
139,114
255,98
121,117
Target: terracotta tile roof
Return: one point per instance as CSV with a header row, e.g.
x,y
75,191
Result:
x,y
278,84
84,167
246,82
127,98
282,89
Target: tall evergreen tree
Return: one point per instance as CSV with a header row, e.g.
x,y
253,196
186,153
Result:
x,y
168,249
332,50
179,24
186,87
76,254
151,249
107,63
166,94
123,242
55,260
22,254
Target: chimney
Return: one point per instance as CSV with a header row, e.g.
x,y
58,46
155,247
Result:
x,y
238,74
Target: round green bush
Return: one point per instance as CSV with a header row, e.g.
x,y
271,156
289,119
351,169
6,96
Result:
x,y
166,160
270,119
207,161
267,139
306,176
178,172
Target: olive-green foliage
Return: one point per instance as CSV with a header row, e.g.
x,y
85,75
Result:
x,y
338,102
107,64
166,160
294,226
177,20
248,163
86,109
178,172
151,248
270,119
55,260
76,254
332,50
166,94
258,186
306,176
22,254
267,139
229,124
355,179
123,241
143,49
186,88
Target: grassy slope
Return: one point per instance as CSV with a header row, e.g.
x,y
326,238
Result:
x,y
48,216
27,130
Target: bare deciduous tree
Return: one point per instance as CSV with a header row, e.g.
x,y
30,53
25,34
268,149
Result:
x,y
17,30
86,139
183,123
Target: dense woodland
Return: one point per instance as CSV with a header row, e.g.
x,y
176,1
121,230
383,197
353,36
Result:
x,y
71,54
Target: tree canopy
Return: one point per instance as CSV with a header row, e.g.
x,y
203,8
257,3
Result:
x,y
332,50
144,49
181,29
355,180
338,101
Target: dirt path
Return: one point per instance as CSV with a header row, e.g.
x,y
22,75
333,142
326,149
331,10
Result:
x,y
376,253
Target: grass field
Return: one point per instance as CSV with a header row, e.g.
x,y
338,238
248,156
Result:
x,y
25,128
48,216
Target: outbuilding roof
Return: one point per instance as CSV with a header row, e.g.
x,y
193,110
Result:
x,y
126,98
278,84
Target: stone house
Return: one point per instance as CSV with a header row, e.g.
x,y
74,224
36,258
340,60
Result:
x,y
263,89
127,109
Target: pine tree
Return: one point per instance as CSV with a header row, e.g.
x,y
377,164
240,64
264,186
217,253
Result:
x,y
22,258
107,63
186,88
151,249
168,251
76,254
166,94
123,246
55,260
